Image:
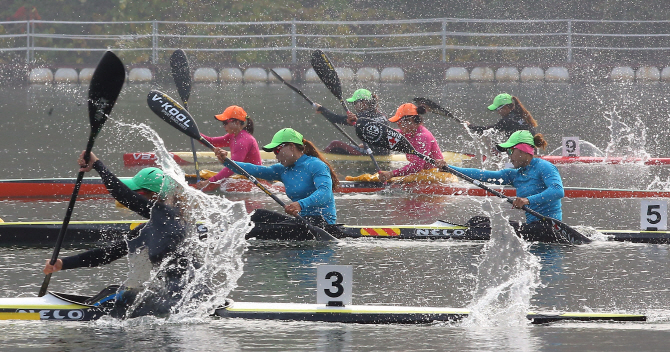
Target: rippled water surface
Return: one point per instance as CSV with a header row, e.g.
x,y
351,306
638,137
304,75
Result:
x,y
45,127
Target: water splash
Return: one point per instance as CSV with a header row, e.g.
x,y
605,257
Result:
x,y
627,138
217,263
508,275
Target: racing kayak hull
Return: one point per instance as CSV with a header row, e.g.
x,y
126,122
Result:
x,y
369,314
36,189
52,307
82,232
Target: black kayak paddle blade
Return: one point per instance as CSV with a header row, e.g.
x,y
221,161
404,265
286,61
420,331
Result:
x,y
106,84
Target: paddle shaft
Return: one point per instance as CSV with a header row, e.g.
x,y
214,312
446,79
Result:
x,y
436,108
68,215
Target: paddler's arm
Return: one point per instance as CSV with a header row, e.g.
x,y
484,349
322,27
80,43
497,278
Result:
x,y
91,258
348,119
272,172
502,177
220,142
131,199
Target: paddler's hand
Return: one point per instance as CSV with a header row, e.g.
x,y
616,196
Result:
x,y
202,184
351,118
440,163
293,209
221,154
520,202
385,175
318,107
48,268
82,164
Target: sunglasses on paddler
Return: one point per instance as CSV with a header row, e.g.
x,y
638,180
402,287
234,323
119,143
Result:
x,y
278,148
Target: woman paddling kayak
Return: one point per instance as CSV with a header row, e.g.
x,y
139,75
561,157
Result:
x,y
240,139
309,181
365,106
538,183
153,244
514,117
408,117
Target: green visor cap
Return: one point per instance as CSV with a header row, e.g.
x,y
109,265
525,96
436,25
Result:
x,y
521,136
500,100
286,135
150,178
360,94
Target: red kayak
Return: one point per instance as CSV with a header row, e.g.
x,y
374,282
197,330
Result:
x,y
92,187
604,160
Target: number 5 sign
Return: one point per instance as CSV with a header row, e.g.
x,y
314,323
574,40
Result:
x,y
333,284
654,215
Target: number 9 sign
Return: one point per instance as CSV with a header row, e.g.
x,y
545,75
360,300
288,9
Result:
x,y
570,146
333,284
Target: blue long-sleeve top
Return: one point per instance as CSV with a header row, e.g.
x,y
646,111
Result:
x,y
307,181
539,182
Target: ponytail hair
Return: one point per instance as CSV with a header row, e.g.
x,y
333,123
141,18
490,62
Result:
x,y
521,110
249,125
310,149
539,141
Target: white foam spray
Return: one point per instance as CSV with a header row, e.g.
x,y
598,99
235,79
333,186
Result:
x,y
219,253
507,276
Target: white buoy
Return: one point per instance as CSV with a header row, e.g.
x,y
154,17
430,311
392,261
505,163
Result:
x,y
345,73
648,73
231,75
66,75
284,73
86,74
311,76
507,74
205,75
457,74
622,73
531,74
255,74
665,74
40,75
482,74
140,75
367,74
556,74
392,74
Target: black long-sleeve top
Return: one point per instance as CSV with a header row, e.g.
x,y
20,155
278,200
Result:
x,y
161,235
374,115
507,125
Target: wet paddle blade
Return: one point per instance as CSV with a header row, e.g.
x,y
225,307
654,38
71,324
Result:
x,y
326,72
104,89
181,74
174,114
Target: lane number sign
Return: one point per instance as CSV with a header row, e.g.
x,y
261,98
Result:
x,y
653,215
570,146
333,284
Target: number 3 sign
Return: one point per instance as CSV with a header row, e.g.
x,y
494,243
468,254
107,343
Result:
x,y
654,215
333,284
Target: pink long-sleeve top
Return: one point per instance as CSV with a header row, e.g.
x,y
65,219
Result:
x,y
424,143
243,147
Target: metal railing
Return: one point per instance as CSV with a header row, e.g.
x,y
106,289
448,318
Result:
x,y
434,40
